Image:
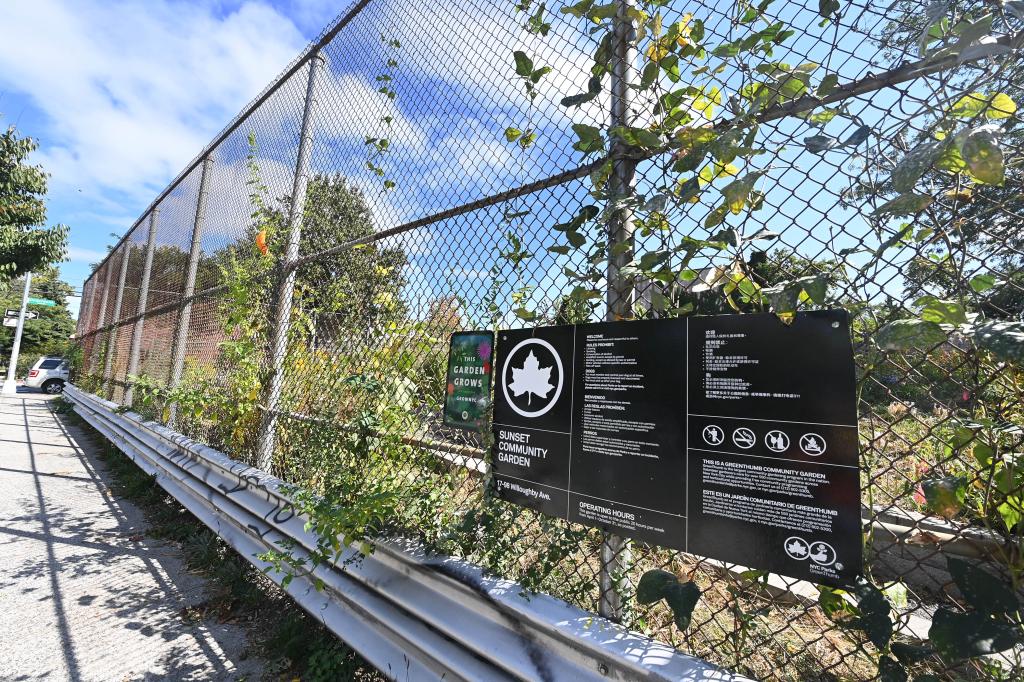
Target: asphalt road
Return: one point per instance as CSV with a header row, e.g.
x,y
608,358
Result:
x,y
84,595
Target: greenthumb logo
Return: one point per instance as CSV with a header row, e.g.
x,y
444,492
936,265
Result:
x,y
528,372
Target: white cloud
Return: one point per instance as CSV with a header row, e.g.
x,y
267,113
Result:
x,y
133,90
77,254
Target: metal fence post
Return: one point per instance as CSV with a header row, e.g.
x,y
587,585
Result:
x,y
102,320
185,317
615,550
92,300
136,349
282,320
108,361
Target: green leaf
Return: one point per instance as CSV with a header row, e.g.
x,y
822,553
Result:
x,y
900,335
688,189
828,84
827,9
891,671
576,239
658,584
716,217
945,495
783,299
968,635
524,65
972,105
1005,340
588,212
983,282
819,144
579,10
915,164
726,50
652,259
820,118
983,156
816,288
1002,106
735,194
576,100
874,611
858,137
539,73
942,312
638,137
832,602
653,585
593,90
524,314
981,589
715,170
904,204
649,74
1012,512
512,134
909,654
590,139
682,598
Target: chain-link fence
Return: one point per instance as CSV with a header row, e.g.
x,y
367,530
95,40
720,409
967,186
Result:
x,y
425,168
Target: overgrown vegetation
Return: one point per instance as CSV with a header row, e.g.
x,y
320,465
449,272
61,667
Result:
x,y
295,644
25,246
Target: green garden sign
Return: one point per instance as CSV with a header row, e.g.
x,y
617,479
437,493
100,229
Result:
x,y
468,391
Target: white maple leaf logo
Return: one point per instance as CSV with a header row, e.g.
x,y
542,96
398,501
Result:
x,y
796,548
531,379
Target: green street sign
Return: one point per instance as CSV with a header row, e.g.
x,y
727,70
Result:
x,y
42,301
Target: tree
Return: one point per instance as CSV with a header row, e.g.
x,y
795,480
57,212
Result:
x,y
50,332
25,246
357,291
973,226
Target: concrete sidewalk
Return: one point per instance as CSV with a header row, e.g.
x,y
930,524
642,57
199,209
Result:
x,y
83,594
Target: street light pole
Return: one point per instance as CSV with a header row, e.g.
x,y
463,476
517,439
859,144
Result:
x,y
11,384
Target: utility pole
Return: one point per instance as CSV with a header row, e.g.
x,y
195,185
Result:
x,y
11,384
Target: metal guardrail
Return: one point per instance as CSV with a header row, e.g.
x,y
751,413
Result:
x,y
412,615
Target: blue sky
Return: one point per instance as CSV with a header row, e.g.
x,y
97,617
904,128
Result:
x,y
121,95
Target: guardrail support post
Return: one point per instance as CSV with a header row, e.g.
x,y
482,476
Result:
x,y
282,320
108,361
185,315
615,550
136,349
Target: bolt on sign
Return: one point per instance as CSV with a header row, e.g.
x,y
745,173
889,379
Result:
x,y
732,437
468,392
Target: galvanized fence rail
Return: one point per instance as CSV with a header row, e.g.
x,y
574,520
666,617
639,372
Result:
x,y
422,169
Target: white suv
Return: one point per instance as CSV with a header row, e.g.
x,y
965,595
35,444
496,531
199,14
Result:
x,y
49,374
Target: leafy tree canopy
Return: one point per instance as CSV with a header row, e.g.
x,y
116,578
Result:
x,y
50,332
25,246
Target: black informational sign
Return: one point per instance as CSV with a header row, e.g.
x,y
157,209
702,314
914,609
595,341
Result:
x,y
732,437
